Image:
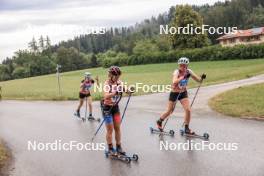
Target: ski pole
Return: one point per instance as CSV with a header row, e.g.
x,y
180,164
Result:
x,y
98,129
85,108
177,100
123,115
171,111
101,122
196,92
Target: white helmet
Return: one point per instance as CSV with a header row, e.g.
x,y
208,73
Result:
x,y
87,74
183,60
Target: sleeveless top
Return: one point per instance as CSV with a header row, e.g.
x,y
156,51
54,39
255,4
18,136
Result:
x,y
110,88
182,85
86,86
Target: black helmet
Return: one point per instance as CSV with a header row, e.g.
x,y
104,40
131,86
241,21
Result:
x,y
114,70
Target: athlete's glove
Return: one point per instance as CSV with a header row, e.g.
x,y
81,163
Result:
x,y
131,90
203,76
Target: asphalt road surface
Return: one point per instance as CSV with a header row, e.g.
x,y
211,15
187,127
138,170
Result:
x,y
23,121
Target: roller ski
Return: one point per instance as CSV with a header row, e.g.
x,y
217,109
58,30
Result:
x,y
188,133
91,119
160,130
78,115
120,155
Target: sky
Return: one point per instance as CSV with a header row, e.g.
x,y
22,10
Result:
x,y
21,20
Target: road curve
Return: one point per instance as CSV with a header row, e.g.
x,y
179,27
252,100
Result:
x,y
42,121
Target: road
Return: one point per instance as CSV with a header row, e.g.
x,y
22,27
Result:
x,y
23,121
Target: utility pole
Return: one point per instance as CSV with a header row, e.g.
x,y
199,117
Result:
x,y
58,78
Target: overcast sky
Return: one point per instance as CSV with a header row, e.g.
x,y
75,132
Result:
x,y
20,20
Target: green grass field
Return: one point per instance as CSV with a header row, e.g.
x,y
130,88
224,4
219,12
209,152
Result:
x,y
241,102
45,87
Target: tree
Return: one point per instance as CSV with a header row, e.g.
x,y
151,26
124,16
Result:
x,y
256,19
145,47
48,43
41,43
185,16
4,73
93,61
9,63
33,45
70,59
41,65
63,59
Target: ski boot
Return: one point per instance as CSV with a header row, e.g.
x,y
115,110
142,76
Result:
x,y
159,125
187,130
77,114
119,150
91,118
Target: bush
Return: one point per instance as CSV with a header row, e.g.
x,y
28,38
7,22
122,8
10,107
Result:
x,y
210,53
112,58
4,73
20,72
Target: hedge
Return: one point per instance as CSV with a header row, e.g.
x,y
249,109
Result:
x,y
210,53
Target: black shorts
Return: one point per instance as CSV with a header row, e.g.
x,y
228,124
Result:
x,y
175,95
110,110
82,96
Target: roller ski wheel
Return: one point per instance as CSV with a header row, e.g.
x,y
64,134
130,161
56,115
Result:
x,y
135,157
204,136
127,160
157,131
151,130
106,154
182,132
172,132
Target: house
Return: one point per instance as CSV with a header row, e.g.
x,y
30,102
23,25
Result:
x,y
249,36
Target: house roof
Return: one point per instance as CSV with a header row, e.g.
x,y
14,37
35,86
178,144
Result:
x,y
243,33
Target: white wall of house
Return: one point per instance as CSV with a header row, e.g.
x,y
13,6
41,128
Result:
x,y
237,41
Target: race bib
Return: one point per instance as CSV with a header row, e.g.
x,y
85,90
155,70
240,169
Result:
x,y
115,98
183,83
87,87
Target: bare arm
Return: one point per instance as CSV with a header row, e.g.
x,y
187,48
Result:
x,y
198,78
111,92
176,79
81,85
97,80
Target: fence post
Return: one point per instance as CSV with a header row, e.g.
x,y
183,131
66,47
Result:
x,y
58,78
0,93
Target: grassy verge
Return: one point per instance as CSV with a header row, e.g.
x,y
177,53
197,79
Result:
x,y
241,102
3,156
45,87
